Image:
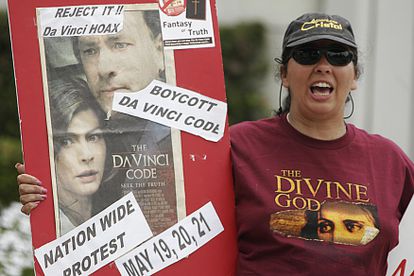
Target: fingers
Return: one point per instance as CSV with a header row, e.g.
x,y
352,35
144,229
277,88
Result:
x,y
20,168
31,193
30,190
28,179
27,208
30,196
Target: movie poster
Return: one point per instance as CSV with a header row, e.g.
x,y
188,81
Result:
x,y
98,155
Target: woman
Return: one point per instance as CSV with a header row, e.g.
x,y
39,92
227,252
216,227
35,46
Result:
x,y
307,155
80,151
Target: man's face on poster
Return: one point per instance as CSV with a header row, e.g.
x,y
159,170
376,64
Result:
x,y
126,61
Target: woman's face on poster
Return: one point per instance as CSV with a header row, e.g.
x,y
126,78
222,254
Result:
x,y
81,158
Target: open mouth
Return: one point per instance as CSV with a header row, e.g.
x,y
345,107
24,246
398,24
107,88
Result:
x,y
321,89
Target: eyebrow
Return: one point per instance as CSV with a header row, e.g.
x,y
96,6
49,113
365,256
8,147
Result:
x,y
96,130
353,221
93,42
114,37
87,43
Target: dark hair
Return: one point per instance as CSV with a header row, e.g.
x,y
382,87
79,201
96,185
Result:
x,y
309,231
283,63
151,18
67,98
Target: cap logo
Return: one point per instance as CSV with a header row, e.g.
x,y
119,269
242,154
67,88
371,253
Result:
x,y
321,23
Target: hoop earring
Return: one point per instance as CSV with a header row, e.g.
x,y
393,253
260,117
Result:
x,y
280,111
352,106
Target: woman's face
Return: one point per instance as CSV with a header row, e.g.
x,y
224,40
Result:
x,y
319,91
81,159
345,223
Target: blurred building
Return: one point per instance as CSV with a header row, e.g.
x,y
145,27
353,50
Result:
x,y
385,34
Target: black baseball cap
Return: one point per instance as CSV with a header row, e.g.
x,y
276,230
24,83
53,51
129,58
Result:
x,y
316,26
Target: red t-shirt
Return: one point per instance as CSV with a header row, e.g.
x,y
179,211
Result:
x,y
312,207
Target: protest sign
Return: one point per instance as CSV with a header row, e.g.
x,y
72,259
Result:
x,y
96,242
81,20
186,24
173,244
70,59
175,107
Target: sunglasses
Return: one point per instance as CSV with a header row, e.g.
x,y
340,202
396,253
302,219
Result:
x,y
336,56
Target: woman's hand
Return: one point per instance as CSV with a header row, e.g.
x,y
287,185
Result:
x,y
30,190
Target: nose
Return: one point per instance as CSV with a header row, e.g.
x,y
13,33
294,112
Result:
x,y
106,64
86,154
323,66
87,159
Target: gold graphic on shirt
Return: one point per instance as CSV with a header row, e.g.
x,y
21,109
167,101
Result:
x,y
298,192
335,221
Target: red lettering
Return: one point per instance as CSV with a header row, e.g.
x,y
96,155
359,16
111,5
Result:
x,y
400,268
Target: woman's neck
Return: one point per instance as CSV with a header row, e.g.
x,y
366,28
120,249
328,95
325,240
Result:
x,y
329,129
77,209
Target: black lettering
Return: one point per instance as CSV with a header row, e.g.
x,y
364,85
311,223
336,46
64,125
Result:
x,y
106,221
175,95
93,28
216,129
156,90
130,208
211,106
125,100
112,246
81,238
66,245
59,12
120,237
161,111
67,272
187,120
115,30
146,258
166,93
147,107
131,269
76,269
180,100
121,212
133,104
193,101
104,252
91,231
86,263
94,255
58,253
48,259
49,31
141,266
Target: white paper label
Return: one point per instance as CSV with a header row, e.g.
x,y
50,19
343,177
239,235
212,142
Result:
x,y
97,242
175,107
81,20
172,245
186,24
